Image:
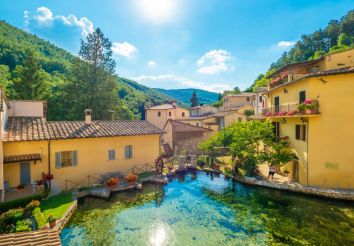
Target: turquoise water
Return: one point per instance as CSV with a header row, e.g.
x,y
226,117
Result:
x,y
203,209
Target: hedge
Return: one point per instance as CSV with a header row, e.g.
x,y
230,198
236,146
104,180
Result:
x,y
22,202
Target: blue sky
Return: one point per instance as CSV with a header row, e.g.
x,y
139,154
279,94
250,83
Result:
x,y
207,44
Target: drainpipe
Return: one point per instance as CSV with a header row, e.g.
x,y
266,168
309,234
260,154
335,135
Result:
x,y
49,168
307,157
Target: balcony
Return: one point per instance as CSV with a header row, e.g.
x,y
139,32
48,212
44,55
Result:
x,y
308,108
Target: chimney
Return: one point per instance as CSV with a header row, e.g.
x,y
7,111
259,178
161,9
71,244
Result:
x,y
88,113
174,104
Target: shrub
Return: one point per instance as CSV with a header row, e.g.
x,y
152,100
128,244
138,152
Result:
x,y
249,112
202,160
39,218
9,219
23,225
30,207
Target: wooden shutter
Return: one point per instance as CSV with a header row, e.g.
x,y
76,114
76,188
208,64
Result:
x,y
302,96
297,132
57,159
127,151
74,158
304,133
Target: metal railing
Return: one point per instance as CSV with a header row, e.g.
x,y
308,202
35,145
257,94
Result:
x,y
99,178
287,109
15,193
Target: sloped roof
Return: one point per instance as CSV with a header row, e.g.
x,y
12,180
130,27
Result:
x,y
34,128
184,127
163,106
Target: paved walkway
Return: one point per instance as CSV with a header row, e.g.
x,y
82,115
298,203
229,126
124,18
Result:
x,y
264,169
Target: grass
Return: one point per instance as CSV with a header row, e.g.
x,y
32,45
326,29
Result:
x,y
56,205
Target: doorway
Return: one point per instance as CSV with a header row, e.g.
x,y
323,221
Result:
x,y
25,172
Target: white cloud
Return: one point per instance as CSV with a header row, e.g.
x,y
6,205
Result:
x,y
285,44
44,16
124,49
151,63
215,61
182,82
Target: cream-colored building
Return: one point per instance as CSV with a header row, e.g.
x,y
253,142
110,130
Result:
x,y
72,151
203,110
235,101
158,115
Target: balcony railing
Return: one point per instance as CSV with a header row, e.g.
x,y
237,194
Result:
x,y
294,109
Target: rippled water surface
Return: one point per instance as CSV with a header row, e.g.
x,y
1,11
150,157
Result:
x,y
203,209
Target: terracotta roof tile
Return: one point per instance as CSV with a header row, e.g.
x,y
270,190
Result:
x,y
31,128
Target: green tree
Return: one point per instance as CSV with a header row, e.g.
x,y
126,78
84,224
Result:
x,y
344,40
5,80
194,100
237,90
93,83
277,153
30,80
243,140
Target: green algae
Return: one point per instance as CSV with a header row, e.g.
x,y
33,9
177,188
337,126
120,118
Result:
x,y
291,220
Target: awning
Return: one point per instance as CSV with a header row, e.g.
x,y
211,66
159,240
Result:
x,y
25,157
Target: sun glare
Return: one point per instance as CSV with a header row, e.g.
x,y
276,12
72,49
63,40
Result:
x,y
158,10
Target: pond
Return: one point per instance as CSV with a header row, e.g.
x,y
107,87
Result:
x,y
205,209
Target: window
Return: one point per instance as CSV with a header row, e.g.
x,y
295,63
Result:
x,y
260,99
276,130
111,154
65,159
302,96
128,151
248,99
300,132
183,114
159,114
169,114
276,104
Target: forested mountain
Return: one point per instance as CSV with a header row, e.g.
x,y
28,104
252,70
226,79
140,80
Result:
x,y
184,95
54,66
337,35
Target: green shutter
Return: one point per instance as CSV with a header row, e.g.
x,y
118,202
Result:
x,y
74,158
130,151
57,160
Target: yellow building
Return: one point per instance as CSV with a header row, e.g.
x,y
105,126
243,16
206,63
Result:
x,y
71,150
160,114
322,138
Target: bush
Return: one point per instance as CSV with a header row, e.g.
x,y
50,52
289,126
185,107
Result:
x,y
23,225
249,112
39,218
22,202
30,207
9,219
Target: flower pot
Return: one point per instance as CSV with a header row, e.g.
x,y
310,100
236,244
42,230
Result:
x,y
52,224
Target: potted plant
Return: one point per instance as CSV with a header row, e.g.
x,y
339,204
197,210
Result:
x,y
112,181
216,166
40,182
312,106
131,178
301,108
52,221
48,176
